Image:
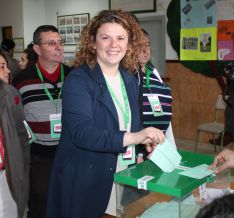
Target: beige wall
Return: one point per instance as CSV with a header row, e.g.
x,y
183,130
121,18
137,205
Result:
x,y
194,97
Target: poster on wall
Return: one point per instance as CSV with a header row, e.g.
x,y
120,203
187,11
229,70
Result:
x,y
200,13
70,27
198,44
135,6
225,10
225,40
198,34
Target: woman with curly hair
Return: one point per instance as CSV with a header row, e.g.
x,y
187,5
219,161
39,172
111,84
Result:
x,y
100,119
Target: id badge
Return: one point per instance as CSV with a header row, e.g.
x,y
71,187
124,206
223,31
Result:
x,y
128,157
129,152
55,125
155,105
31,135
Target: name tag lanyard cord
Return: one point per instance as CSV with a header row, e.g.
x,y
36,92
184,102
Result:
x,y
148,72
154,102
46,89
125,112
147,84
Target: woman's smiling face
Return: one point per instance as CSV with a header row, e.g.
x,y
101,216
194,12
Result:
x,y
111,44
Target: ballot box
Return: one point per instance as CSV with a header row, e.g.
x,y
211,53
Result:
x,y
145,191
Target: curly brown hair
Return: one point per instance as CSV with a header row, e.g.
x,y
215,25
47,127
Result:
x,y
87,54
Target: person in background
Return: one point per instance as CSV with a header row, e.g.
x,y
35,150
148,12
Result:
x,y
28,58
14,149
223,160
100,119
219,208
8,46
228,97
155,100
40,87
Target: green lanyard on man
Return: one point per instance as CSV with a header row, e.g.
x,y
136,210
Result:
x,y
55,119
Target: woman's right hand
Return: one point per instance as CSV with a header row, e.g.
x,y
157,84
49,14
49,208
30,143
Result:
x,y
148,136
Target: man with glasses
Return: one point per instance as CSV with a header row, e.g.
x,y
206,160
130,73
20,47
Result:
x,y
40,88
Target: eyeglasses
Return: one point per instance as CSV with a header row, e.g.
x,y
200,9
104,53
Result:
x,y
52,43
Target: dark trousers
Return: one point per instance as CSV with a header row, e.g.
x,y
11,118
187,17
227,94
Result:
x,y
229,119
39,183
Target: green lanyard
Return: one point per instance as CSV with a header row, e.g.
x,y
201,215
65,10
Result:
x,y
148,72
125,112
47,91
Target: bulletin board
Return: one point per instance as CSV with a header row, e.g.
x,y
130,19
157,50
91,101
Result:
x,y
71,26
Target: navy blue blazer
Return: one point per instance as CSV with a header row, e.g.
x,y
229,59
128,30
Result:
x,y
86,157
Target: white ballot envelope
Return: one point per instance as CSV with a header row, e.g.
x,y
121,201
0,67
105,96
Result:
x,y
166,156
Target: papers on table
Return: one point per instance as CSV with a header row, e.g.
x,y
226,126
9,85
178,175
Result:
x,y
198,172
